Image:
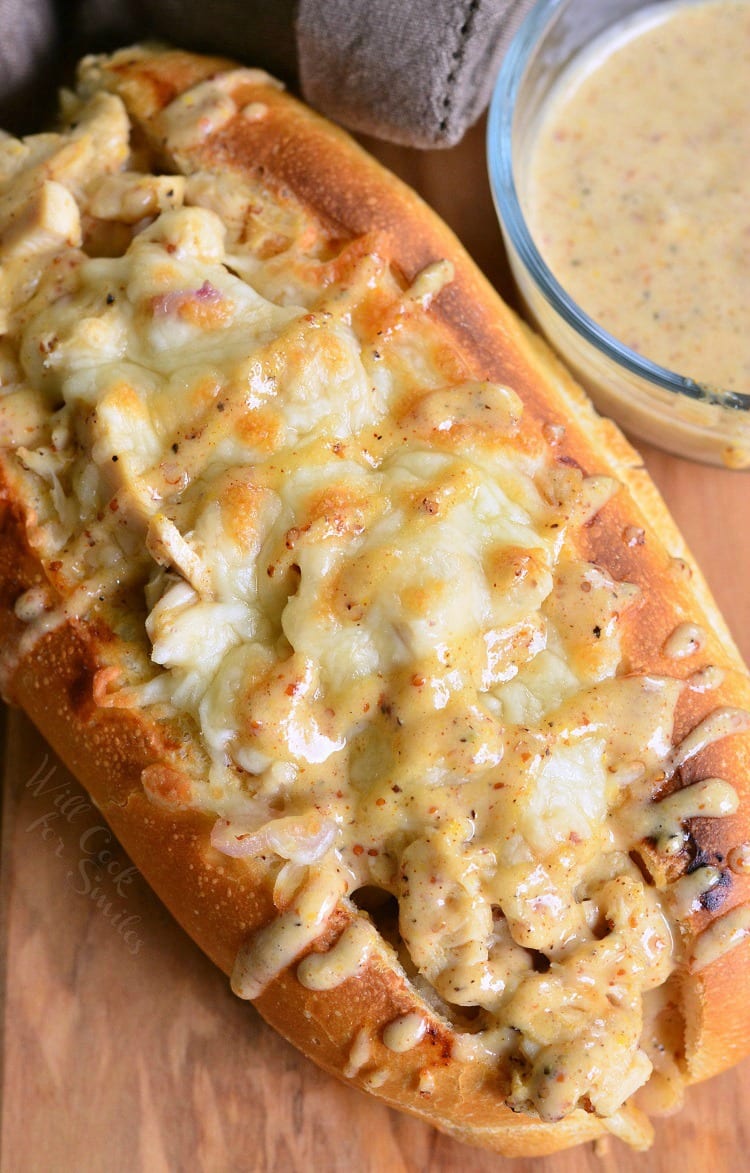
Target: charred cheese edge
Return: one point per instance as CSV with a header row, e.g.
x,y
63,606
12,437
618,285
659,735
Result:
x,y
391,613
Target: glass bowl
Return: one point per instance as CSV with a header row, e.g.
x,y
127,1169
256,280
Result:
x,y
658,405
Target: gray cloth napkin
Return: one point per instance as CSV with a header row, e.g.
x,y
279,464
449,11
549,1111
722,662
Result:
x,y
413,71
28,35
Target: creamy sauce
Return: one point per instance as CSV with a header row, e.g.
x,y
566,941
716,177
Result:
x,y
706,679
359,1054
364,588
685,640
254,111
271,950
709,799
722,722
405,1032
32,604
739,859
685,895
325,971
639,189
208,106
631,1126
721,936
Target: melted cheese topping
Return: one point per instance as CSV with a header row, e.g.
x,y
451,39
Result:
x,y
345,561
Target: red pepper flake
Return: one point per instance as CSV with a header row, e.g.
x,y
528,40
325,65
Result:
x,y
358,849
379,802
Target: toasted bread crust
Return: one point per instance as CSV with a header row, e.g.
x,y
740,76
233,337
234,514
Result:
x,y
219,900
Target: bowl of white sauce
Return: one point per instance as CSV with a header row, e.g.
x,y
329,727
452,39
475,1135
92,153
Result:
x,y
619,158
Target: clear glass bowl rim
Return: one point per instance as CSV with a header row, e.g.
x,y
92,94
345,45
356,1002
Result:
x,y
500,165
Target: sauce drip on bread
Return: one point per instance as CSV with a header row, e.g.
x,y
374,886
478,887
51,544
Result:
x,y
357,571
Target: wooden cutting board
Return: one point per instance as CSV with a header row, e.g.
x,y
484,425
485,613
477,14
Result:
x,y
123,1047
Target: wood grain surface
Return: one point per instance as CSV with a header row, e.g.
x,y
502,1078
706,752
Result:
x,y
124,1050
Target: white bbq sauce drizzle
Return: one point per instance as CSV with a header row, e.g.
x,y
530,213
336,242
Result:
x,y
359,1053
345,958
404,1032
720,937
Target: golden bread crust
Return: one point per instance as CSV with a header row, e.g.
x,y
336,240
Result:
x,y
220,901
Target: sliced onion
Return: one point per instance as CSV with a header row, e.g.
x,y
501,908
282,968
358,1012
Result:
x,y
302,840
172,302
290,879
